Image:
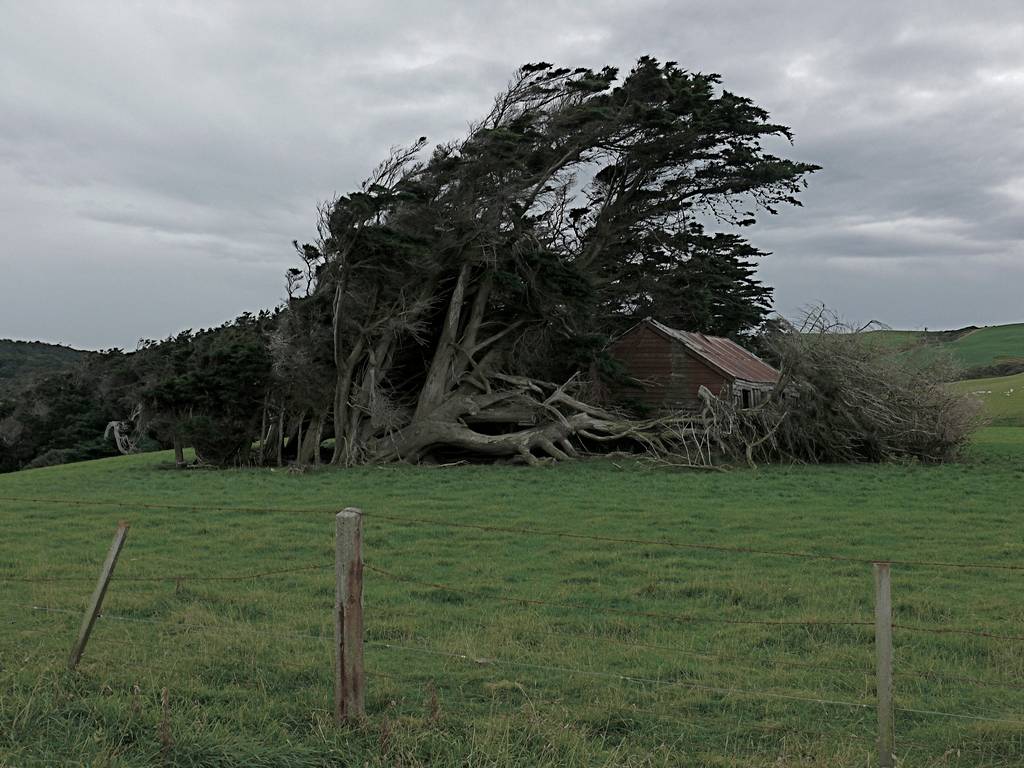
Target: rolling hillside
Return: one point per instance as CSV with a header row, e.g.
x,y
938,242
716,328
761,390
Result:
x,y
990,346
22,360
974,348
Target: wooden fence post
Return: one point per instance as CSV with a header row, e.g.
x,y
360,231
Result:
x,y
883,657
96,602
349,676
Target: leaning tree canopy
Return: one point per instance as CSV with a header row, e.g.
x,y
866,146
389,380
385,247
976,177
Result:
x,y
458,302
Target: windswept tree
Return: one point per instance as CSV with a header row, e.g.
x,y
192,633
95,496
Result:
x,y
467,295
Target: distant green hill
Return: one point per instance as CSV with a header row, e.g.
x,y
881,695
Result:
x,y
20,361
991,346
984,352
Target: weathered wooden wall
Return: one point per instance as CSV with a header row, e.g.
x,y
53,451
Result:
x,y
671,374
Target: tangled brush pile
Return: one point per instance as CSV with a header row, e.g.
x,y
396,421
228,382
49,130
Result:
x,y
844,397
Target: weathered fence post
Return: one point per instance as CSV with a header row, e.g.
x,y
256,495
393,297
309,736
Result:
x,y
96,602
349,676
883,657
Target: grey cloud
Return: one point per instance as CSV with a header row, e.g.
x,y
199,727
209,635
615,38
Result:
x,y
166,155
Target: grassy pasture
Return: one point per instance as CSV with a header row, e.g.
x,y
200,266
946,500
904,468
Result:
x,y
993,344
984,346
464,674
1002,396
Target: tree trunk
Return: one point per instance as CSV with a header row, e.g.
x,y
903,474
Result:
x,y
438,379
342,392
280,438
319,438
468,345
264,432
309,444
179,451
299,436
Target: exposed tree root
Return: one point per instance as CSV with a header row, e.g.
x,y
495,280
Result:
x,y
562,427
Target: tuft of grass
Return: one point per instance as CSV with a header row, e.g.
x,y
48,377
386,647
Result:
x,y
538,649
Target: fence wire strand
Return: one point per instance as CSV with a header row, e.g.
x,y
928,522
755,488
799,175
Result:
x,y
533,699
487,661
682,617
194,577
222,629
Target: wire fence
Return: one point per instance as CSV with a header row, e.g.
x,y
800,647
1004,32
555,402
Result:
x,y
542,671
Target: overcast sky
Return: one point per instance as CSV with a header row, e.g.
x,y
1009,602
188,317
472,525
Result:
x,y
157,159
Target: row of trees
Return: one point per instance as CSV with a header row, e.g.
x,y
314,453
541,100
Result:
x,y
205,389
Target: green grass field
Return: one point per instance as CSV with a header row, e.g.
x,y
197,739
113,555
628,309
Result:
x,y
632,660
984,346
1003,398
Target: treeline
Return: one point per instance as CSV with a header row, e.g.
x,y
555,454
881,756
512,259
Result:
x,y
458,305
460,301
205,389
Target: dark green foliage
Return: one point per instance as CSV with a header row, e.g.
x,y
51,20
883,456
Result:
x,y
1008,368
209,386
681,157
59,418
206,386
713,290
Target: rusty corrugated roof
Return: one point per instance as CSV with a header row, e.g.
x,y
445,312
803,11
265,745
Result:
x,y
725,355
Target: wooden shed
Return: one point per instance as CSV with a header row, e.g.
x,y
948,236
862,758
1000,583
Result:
x,y
669,366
